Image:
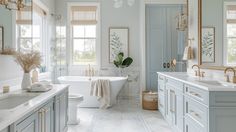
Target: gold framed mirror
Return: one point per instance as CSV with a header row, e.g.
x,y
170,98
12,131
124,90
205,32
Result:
x,y
217,38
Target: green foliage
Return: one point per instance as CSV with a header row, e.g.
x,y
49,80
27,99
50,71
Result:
x,y
120,62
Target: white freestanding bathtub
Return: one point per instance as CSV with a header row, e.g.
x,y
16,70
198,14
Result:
x,y
81,85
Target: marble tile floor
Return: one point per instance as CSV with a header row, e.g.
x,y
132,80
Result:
x,y
125,116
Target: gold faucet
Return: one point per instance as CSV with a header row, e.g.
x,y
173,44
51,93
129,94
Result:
x,y
198,72
90,72
234,76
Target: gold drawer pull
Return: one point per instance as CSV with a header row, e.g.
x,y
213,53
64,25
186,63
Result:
x,y
195,94
195,114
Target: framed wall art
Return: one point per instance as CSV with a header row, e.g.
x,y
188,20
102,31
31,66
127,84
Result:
x,y
208,44
118,42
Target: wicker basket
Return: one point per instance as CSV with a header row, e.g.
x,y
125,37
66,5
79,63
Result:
x,y
149,100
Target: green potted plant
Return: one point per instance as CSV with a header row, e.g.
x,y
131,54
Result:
x,y
122,63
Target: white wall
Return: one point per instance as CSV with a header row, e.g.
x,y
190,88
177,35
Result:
x,y
8,68
111,17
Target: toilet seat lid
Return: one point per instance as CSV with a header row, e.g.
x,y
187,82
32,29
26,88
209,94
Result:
x,y
76,96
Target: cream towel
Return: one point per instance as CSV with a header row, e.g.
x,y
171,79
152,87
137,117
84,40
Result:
x,y
101,89
188,53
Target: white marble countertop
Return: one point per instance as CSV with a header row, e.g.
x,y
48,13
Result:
x,y
205,83
7,117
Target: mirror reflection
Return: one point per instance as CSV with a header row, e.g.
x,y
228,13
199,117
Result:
x,y
218,33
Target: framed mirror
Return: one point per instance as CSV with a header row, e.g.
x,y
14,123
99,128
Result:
x,y
218,34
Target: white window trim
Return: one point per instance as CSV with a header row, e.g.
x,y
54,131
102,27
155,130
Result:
x,y
69,37
44,34
225,42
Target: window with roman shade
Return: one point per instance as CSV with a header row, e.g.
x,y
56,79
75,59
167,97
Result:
x,y
31,23
83,21
231,34
83,15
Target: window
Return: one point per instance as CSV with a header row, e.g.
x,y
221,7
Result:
x,y
30,28
61,45
84,35
231,34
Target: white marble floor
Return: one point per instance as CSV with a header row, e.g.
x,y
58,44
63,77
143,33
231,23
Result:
x,y
126,116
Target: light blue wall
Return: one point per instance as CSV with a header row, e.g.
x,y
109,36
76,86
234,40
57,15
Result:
x,y
6,22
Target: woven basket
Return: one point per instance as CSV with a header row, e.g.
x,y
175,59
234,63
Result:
x,y
149,100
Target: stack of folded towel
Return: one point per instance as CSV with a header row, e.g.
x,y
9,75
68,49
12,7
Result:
x,y
41,86
101,89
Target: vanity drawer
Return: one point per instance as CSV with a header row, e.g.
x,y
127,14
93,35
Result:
x,y
175,83
192,126
161,78
196,93
197,111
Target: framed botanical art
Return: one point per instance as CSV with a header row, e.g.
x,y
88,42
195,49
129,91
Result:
x,y
208,44
118,42
1,38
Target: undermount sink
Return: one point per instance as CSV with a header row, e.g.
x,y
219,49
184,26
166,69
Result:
x,y
216,83
11,101
210,82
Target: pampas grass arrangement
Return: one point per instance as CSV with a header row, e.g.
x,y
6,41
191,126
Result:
x,y
28,61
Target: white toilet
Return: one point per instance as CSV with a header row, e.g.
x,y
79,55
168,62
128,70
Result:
x,y
74,101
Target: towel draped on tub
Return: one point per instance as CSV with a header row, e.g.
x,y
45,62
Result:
x,y
101,89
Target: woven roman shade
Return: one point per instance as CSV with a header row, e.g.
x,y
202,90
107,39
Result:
x,y
231,14
83,15
24,16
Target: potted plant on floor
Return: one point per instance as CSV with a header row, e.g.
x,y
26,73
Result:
x,y
122,63
28,62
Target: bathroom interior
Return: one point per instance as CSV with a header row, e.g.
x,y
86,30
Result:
x,y
117,65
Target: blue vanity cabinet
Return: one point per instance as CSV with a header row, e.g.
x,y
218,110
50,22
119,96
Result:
x,y
30,124
5,130
174,107
46,118
161,95
61,112
51,116
193,108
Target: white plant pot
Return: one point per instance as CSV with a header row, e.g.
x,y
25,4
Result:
x,y
121,72
26,82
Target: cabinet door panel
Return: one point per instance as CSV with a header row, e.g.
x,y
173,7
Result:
x,y
179,117
49,117
63,112
192,126
30,124
61,109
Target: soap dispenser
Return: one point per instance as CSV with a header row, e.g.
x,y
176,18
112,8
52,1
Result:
x,y
35,76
